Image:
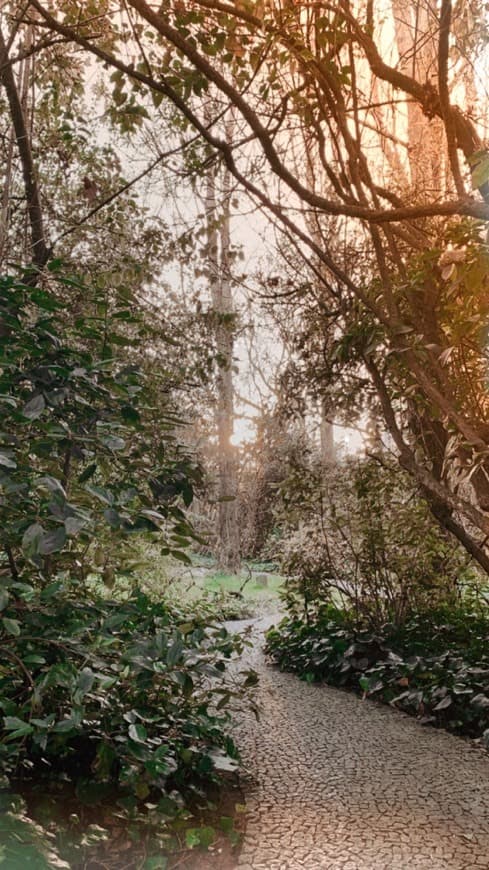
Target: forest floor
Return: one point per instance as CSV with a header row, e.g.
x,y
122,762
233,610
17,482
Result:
x,y
335,783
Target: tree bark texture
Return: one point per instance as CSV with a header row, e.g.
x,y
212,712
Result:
x,y
39,247
219,243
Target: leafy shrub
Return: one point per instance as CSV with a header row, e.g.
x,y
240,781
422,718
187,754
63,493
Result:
x,y
80,463
435,667
120,694
361,534
23,842
118,698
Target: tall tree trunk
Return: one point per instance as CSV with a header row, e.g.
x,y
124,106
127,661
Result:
x,y
418,57
6,194
39,251
326,435
219,242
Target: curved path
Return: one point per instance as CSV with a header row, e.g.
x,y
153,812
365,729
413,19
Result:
x,y
335,783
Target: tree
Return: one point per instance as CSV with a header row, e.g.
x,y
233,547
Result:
x,y
65,194
219,268
292,65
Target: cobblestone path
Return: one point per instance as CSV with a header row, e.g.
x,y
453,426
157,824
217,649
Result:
x,y
334,783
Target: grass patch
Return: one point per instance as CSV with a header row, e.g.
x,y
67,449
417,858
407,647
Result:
x,y
249,589
198,586
255,590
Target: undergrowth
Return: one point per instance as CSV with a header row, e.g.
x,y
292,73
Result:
x,y
124,701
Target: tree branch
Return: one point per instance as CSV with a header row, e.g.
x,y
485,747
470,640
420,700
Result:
x,y
434,490
363,212
101,205
40,250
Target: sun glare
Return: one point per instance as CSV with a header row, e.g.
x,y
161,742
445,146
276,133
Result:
x,y
244,432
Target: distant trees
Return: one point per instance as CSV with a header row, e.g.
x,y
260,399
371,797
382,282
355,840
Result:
x,y
397,227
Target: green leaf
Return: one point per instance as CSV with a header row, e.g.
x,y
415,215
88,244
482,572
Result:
x,y
22,732
17,727
156,862
113,442
103,495
11,626
87,473
52,484
105,759
55,264
479,169
85,680
443,704
192,837
43,723
138,733
7,461
31,539
74,525
66,725
34,659
174,652
181,557
51,591
207,835
12,723
130,414
112,518
480,701
34,407
52,542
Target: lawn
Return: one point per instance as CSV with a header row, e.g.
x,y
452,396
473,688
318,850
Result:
x,y
254,591
255,586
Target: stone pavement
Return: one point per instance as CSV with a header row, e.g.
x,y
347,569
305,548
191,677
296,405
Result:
x,y
336,783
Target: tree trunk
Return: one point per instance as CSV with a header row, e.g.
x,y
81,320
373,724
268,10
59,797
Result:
x,y
418,57
39,249
326,434
218,236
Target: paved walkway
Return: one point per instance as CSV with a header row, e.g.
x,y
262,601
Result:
x,y
334,783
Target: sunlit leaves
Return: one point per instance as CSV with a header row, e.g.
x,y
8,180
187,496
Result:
x,y
479,169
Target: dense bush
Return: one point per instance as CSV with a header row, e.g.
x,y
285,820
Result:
x,y
435,666
129,693
125,701
360,534
122,698
81,467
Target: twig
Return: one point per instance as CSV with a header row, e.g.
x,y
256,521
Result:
x,y
20,663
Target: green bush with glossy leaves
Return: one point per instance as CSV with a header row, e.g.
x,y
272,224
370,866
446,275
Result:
x,y
80,461
113,694
120,699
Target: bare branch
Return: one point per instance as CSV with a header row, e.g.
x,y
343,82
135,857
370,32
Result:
x,y
40,249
